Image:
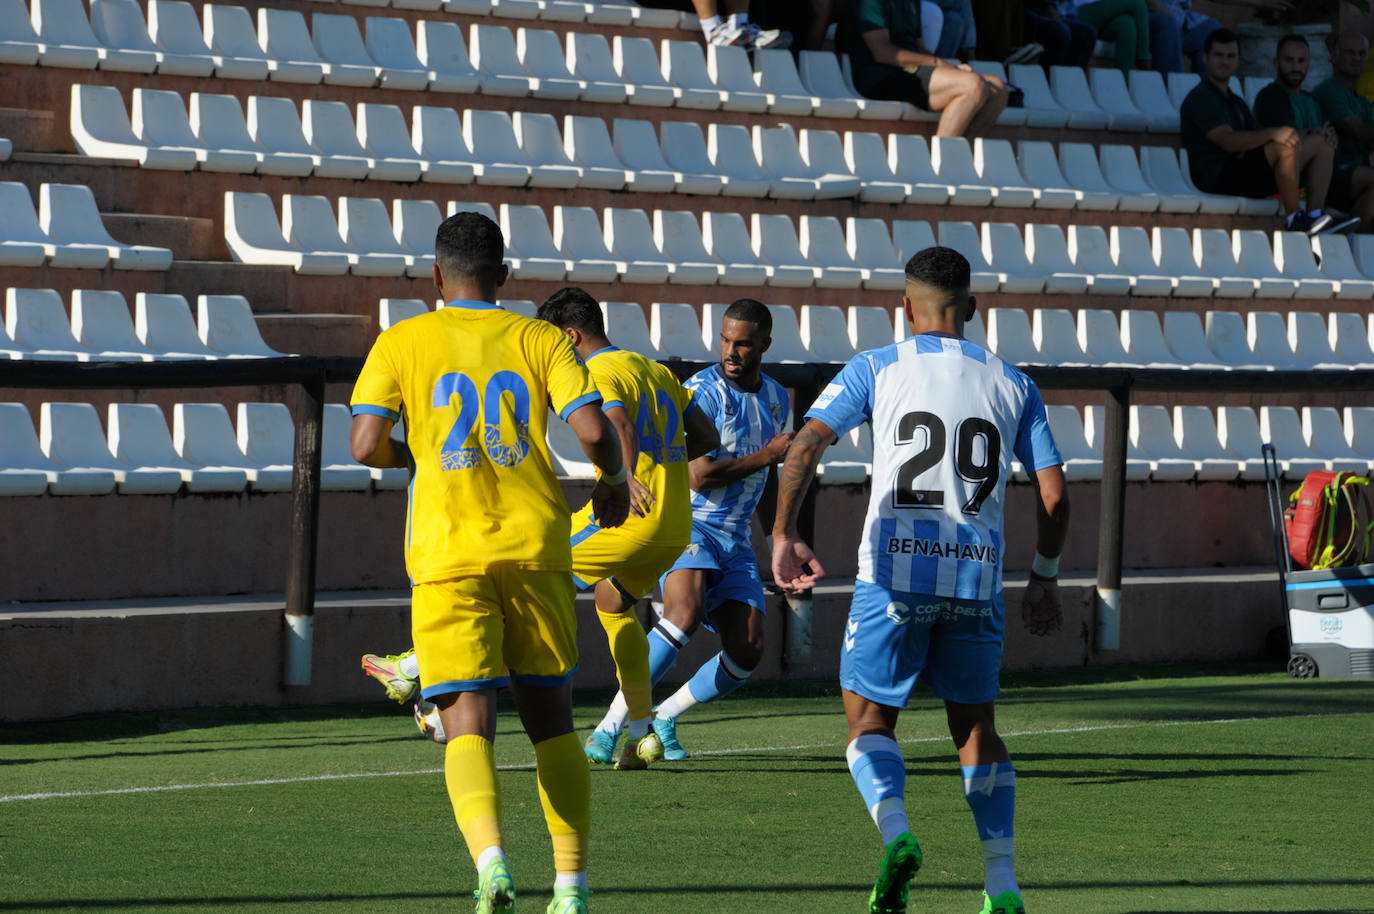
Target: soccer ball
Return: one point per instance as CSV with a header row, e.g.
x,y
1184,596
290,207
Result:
x,y
427,719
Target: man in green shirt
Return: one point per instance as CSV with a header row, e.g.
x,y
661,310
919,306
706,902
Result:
x,y
1230,153
1349,112
890,60
1283,103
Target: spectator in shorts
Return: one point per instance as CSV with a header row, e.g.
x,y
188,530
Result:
x,y
1068,41
883,40
1283,103
1230,153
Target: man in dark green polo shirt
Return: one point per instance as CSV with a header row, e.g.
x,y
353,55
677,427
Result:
x,y
883,40
1349,112
1283,103
1230,153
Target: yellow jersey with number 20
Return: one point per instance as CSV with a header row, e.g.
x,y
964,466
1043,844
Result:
x,y
475,383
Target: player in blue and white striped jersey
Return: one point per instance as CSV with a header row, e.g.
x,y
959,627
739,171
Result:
x,y
947,418
716,580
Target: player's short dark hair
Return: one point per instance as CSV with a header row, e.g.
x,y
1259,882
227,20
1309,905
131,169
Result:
x,y
755,312
940,268
469,245
1290,38
571,307
1219,36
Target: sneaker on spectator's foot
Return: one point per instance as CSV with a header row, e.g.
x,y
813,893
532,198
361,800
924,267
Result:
x,y
1339,224
1305,222
770,39
386,670
725,34
1025,53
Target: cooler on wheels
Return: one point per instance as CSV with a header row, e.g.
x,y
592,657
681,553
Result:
x,y
1329,613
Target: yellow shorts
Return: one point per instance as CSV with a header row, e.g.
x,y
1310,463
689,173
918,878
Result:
x,y
480,631
634,568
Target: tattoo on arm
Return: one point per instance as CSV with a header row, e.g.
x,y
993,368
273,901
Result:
x,y
795,474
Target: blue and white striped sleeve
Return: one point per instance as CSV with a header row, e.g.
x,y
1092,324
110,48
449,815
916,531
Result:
x,y
847,402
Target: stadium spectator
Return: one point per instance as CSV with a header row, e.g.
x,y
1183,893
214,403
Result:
x,y
1284,103
726,22
1350,113
1124,22
958,36
947,418
890,60
1068,41
1230,153
717,577
487,538
1177,31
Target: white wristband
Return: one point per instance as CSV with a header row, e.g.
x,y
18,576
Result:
x,y
615,479
1045,568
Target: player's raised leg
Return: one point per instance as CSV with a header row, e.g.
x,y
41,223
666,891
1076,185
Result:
x,y
990,789
630,651
399,674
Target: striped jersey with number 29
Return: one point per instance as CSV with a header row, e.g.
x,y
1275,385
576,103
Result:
x,y
947,417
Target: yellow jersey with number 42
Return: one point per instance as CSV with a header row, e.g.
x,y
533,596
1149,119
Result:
x,y
475,384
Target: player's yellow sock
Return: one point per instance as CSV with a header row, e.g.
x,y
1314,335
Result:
x,y
470,773
630,651
565,790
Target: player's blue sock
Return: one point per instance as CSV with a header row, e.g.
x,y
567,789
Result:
x,y
991,794
876,764
665,641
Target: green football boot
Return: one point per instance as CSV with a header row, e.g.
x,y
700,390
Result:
x,y
900,863
568,900
1005,903
386,670
496,890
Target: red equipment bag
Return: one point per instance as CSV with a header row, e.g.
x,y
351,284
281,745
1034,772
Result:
x,y
1328,521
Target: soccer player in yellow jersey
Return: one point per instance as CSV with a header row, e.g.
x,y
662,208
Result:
x,y
660,429
486,538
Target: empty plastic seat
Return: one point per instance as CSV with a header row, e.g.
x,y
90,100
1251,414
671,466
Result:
x,y
102,323
1292,256
822,152
866,156
1080,161
392,311
1108,87
255,236
265,434
1149,94
1310,342
1138,466
1228,338
1180,84
71,436
68,214
1122,171
388,42
1005,250
175,29
779,150
491,137
1199,434
1176,257
824,334
442,50
161,121
339,42
684,67
776,74
1042,109
678,235
1055,334
635,144
437,135
952,160
1069,86
1281,426
366,227
1214,253
120,24
729,69
578,232
309,222
26,470
100,127
1254,256
627,328
542,146
1099,336
1348,336
821,75
63,24
1160,168
1187,340
163,323
587,143
822,241
869,327
1142,338
218,122
1081,460
636,63
383,135
1267,334
1359,428
291,55
19,44
1048,252
588,58
731,151
330,129
870,247
1089,251
137,434
532,254
203,435
495,56
910,160
726,238
630,238
675,331
275,125
1336,263
684,149
226,325
1152,432
776,245
1009,336
36,320
1132,254
1040,167
1324,433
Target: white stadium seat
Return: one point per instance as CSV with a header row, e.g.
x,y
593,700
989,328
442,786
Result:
x,y
330,129
1055,334
491,137
684,149
779,150
219,123
866,156
1154,435
1174,255
226,324
1040,166
726,238
67,212
1228,338
339,42
389,43
910,237
1005,250
174,27
1090,252
629,237
1309,339
254,235
274,124
137,434
72,438
1069,86
1142,337
1180,84
729,69
1109,90
1010,117
1151,97
101,322
1338,264
442,50
569,460
578,234
627,328
26,470
1199,434
308,221
869,245
909,158
684,67
1048,252
1080,161
675,331
635,144
163,323
23,243
731,150
1348,336
1183,331
1253,255
1267,334
365,226
587,143
1293,257
1081,461
1122,171
383,135
1099,336
19,45
532,253
291,56
1159,166
1281,426
823,153
822,241
1042,110
776,73
203,435
1359,428
678,235
160,119
231,35
63,24
495,56
1009,335
437,135
824,333
1133,255
1324,432
952,160
1213,251
588,58
869,327
542,146
120,24
1138,466
100,127
820,73
36,320
787,345
637,65
776,245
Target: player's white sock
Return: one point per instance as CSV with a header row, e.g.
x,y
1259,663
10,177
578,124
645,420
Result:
x,y
614,721
678,702
409,666
492,853
638,728
570,880
708,25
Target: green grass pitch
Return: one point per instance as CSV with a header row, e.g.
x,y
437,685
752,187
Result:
x,y
1140,791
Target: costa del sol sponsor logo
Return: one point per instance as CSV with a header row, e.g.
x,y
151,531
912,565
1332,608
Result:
x,y
1331,625
899,613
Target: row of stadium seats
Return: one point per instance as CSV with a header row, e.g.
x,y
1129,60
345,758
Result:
x,y
528,148
65,231
57,33
638,246
101,327
72,455
595,12
1263,340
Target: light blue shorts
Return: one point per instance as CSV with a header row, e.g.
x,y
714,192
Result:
x,y
732,571
892,638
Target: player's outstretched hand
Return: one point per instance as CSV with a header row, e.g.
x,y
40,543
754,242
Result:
x,y
610,504
795,568
642,500
1041,609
